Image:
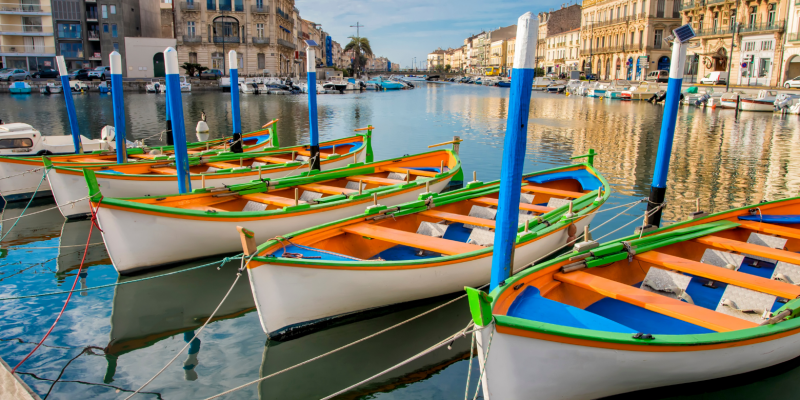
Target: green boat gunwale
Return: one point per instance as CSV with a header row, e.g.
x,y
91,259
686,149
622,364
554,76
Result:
x,y
554,217
627,339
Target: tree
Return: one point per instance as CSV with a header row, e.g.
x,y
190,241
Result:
x,y
190,68
361,48
447,67
200,69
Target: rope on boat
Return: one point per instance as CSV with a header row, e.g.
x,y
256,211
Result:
x,y
33,196
469,368
343,347
222,263
75,282
241,269
22,173
46,209
485,361
286,254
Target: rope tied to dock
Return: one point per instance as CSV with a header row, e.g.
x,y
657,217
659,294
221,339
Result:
x,y
22,173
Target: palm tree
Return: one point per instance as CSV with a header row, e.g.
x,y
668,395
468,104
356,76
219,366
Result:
x,y
361,47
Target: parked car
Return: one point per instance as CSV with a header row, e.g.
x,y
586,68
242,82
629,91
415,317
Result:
x,y
792,83
100,73
46,73
661,76
591,77
79,74
14,74
211,74
716,78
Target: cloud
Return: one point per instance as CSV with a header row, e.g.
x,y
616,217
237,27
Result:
x,y
413,28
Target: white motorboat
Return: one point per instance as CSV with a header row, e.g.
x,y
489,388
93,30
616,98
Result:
x,y
542,82
51,88
186,86
556,88
643,91
78,86
573,85
615,89
764,101
156,86
728,100
250,86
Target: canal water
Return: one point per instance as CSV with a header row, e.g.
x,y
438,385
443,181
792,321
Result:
x,y
112,339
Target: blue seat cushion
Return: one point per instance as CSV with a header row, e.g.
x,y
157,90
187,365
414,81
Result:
x,y
586,179
643,320
532,306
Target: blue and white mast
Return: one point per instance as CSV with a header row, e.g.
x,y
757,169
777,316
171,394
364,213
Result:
x,y
176,111
73,119
313,124
658,188
236,145
119,106
505,235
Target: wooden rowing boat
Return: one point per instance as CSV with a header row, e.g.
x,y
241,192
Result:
x,y
429,247
181,227
19,176
158,179
698,300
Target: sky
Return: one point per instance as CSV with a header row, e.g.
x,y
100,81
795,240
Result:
x,y
401,30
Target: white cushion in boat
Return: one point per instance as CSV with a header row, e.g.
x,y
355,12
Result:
x,y
397,176
526,198
254,206
787,272
259,164
354,185
766,241
481,237
309,196
431,229
481,212
744,303
301,158
555,203
667,283
212,169
722,259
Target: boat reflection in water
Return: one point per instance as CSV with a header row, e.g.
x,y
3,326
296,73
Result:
x,y
344,368
36,225
144,313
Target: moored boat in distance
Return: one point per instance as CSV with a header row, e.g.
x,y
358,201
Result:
x,y
642,91
728,100
542,82
711,297
270,207
764,101
429,247
19,87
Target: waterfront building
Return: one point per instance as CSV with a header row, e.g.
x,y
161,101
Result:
x,y
484,45
757,29
555,22
624,39
26,35
457,59
561,52
791,50
497,57
262,32
470,63
140,53
435,58
510,47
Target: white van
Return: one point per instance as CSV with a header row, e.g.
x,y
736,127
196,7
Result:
x,y
715,78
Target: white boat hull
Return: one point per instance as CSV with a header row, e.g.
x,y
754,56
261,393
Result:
x,y
756,105
20,180
519,366
127,233
291,295
67,188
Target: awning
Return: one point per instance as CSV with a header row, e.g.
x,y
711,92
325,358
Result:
x,y
284,29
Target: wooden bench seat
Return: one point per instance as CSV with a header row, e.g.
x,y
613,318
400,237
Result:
x,y
375,180
522,206
164,171
715,273
314,187
655,302
552,192
749,248
412,171
273,160
465,219
269,199
308,154
438,245
771,229
222,165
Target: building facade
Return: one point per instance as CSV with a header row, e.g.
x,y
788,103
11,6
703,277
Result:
x,y
624,39
435,59
791,51
562,52
511,47
552,23
497,57
26,35
757,28
261,31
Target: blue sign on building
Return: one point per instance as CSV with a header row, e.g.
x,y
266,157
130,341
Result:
x,y
328,51
388,65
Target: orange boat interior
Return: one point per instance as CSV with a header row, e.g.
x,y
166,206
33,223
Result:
x,y
729,280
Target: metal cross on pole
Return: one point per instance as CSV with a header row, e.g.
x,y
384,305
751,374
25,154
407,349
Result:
x,y
358,45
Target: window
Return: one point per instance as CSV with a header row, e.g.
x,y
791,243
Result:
x,y
625,10
715,23
660,5
676,9
225,5
16,143
238,5
700,23
71,50
641,36
644,3
260,30
113,30
262,60
69,31
618,14
211,4
633,8
749,46
193,58
116,46
764,65
105,28
771,14
657,38
113,9
766,45
260,3
190,29
632,37
733,19
752,17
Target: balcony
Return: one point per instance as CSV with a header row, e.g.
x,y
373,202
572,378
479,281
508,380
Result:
x,y
29,50
776,26
260,41
96,56
193,39
26,30
714,31
282,14
263,9
91,16
710,2
226,39
24,9
93,35
190,6
286,43
690,4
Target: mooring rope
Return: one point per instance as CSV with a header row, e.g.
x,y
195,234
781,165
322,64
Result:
x,y
485,361
33,196
22,173
46,209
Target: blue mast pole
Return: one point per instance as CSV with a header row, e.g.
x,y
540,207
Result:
x,y
119,106
73,119
168,132
658,188
176,110
313,124
514,149
236,145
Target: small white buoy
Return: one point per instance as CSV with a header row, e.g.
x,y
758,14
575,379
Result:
x,y
202,131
